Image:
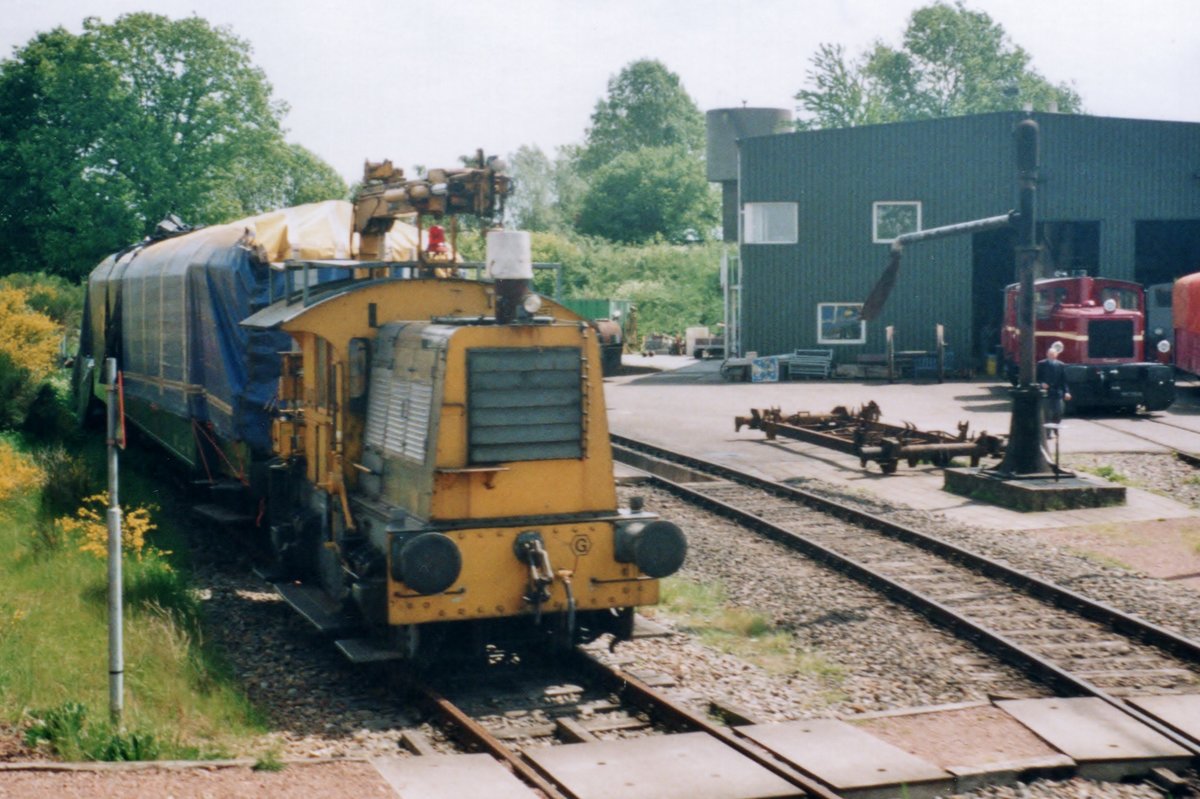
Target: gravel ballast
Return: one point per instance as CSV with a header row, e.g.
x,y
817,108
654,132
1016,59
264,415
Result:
x,y
866,654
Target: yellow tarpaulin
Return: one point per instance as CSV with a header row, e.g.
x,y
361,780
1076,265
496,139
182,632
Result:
x,y
321,231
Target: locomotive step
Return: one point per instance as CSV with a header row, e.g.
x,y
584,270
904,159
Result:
x,y
222,485
314,605
219,514
364,650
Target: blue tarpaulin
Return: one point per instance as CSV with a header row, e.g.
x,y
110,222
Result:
x,y
170,312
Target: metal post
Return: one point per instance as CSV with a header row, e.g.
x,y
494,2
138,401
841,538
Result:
x,y
116,655
1024,455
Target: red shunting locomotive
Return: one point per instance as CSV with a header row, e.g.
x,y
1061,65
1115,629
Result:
x,y
1101,323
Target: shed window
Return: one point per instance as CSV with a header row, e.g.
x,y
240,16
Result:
x,y
840,323
770,223
890,220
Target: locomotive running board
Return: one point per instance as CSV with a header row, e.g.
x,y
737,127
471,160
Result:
x,y
312,604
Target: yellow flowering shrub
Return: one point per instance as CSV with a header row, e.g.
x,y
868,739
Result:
x,y
18,474
29,338
89,528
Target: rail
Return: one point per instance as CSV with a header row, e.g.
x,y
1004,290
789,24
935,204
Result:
x,y
635,452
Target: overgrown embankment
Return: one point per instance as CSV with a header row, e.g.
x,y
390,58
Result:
x,y
179,700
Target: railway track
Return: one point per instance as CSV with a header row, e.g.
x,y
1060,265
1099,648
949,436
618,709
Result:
x,y
1182,441
1070,643
582,697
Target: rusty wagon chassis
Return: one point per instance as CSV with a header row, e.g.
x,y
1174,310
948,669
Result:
x,y
860,433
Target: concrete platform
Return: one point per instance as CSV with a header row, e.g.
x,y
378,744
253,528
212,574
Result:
x,y
1104,743
1034,493
853,762
687,766
461,776
691,409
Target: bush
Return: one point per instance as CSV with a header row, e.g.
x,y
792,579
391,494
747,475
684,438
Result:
x,y
19,474
49,417
88,528
52,295
29,348
69,479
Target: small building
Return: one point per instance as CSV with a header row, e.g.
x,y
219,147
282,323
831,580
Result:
x,y
1116,197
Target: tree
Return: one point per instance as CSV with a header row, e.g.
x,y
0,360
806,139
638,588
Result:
x,y
953,61
843,97
532,205
284,175
647,193
105,133
646,106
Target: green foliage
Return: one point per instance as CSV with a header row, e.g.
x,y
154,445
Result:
x,y
1109,473
672,286
182,701
842,96
283,175
649,193
69,477
69,734
104,133
639,175
52,295
646,106
269,762
153,586
953,61
49,417
29,346
543,192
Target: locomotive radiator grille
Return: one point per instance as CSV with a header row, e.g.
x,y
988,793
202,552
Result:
x,y
1110,338
525,404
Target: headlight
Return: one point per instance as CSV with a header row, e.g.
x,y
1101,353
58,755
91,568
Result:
x,y
1164,346
532,304
428,563
656,547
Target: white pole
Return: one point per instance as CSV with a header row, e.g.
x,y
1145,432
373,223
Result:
x,y
116,656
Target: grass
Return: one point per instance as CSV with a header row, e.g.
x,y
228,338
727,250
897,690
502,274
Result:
x,y
1101,559
704,610
180,701
1110,474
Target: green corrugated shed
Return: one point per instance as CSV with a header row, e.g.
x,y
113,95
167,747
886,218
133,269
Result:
x,y
1119,197
591,308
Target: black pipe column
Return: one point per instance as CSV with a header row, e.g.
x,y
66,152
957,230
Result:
x,y
1024,456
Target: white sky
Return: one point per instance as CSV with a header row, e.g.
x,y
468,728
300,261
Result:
x,y
423,82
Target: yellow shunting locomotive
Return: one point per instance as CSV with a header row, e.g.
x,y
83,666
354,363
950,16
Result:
x,y
438,452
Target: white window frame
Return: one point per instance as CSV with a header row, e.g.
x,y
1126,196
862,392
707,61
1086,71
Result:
x,y
862,325
758,229
875,206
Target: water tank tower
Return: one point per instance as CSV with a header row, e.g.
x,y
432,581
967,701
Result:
x,y
725,126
